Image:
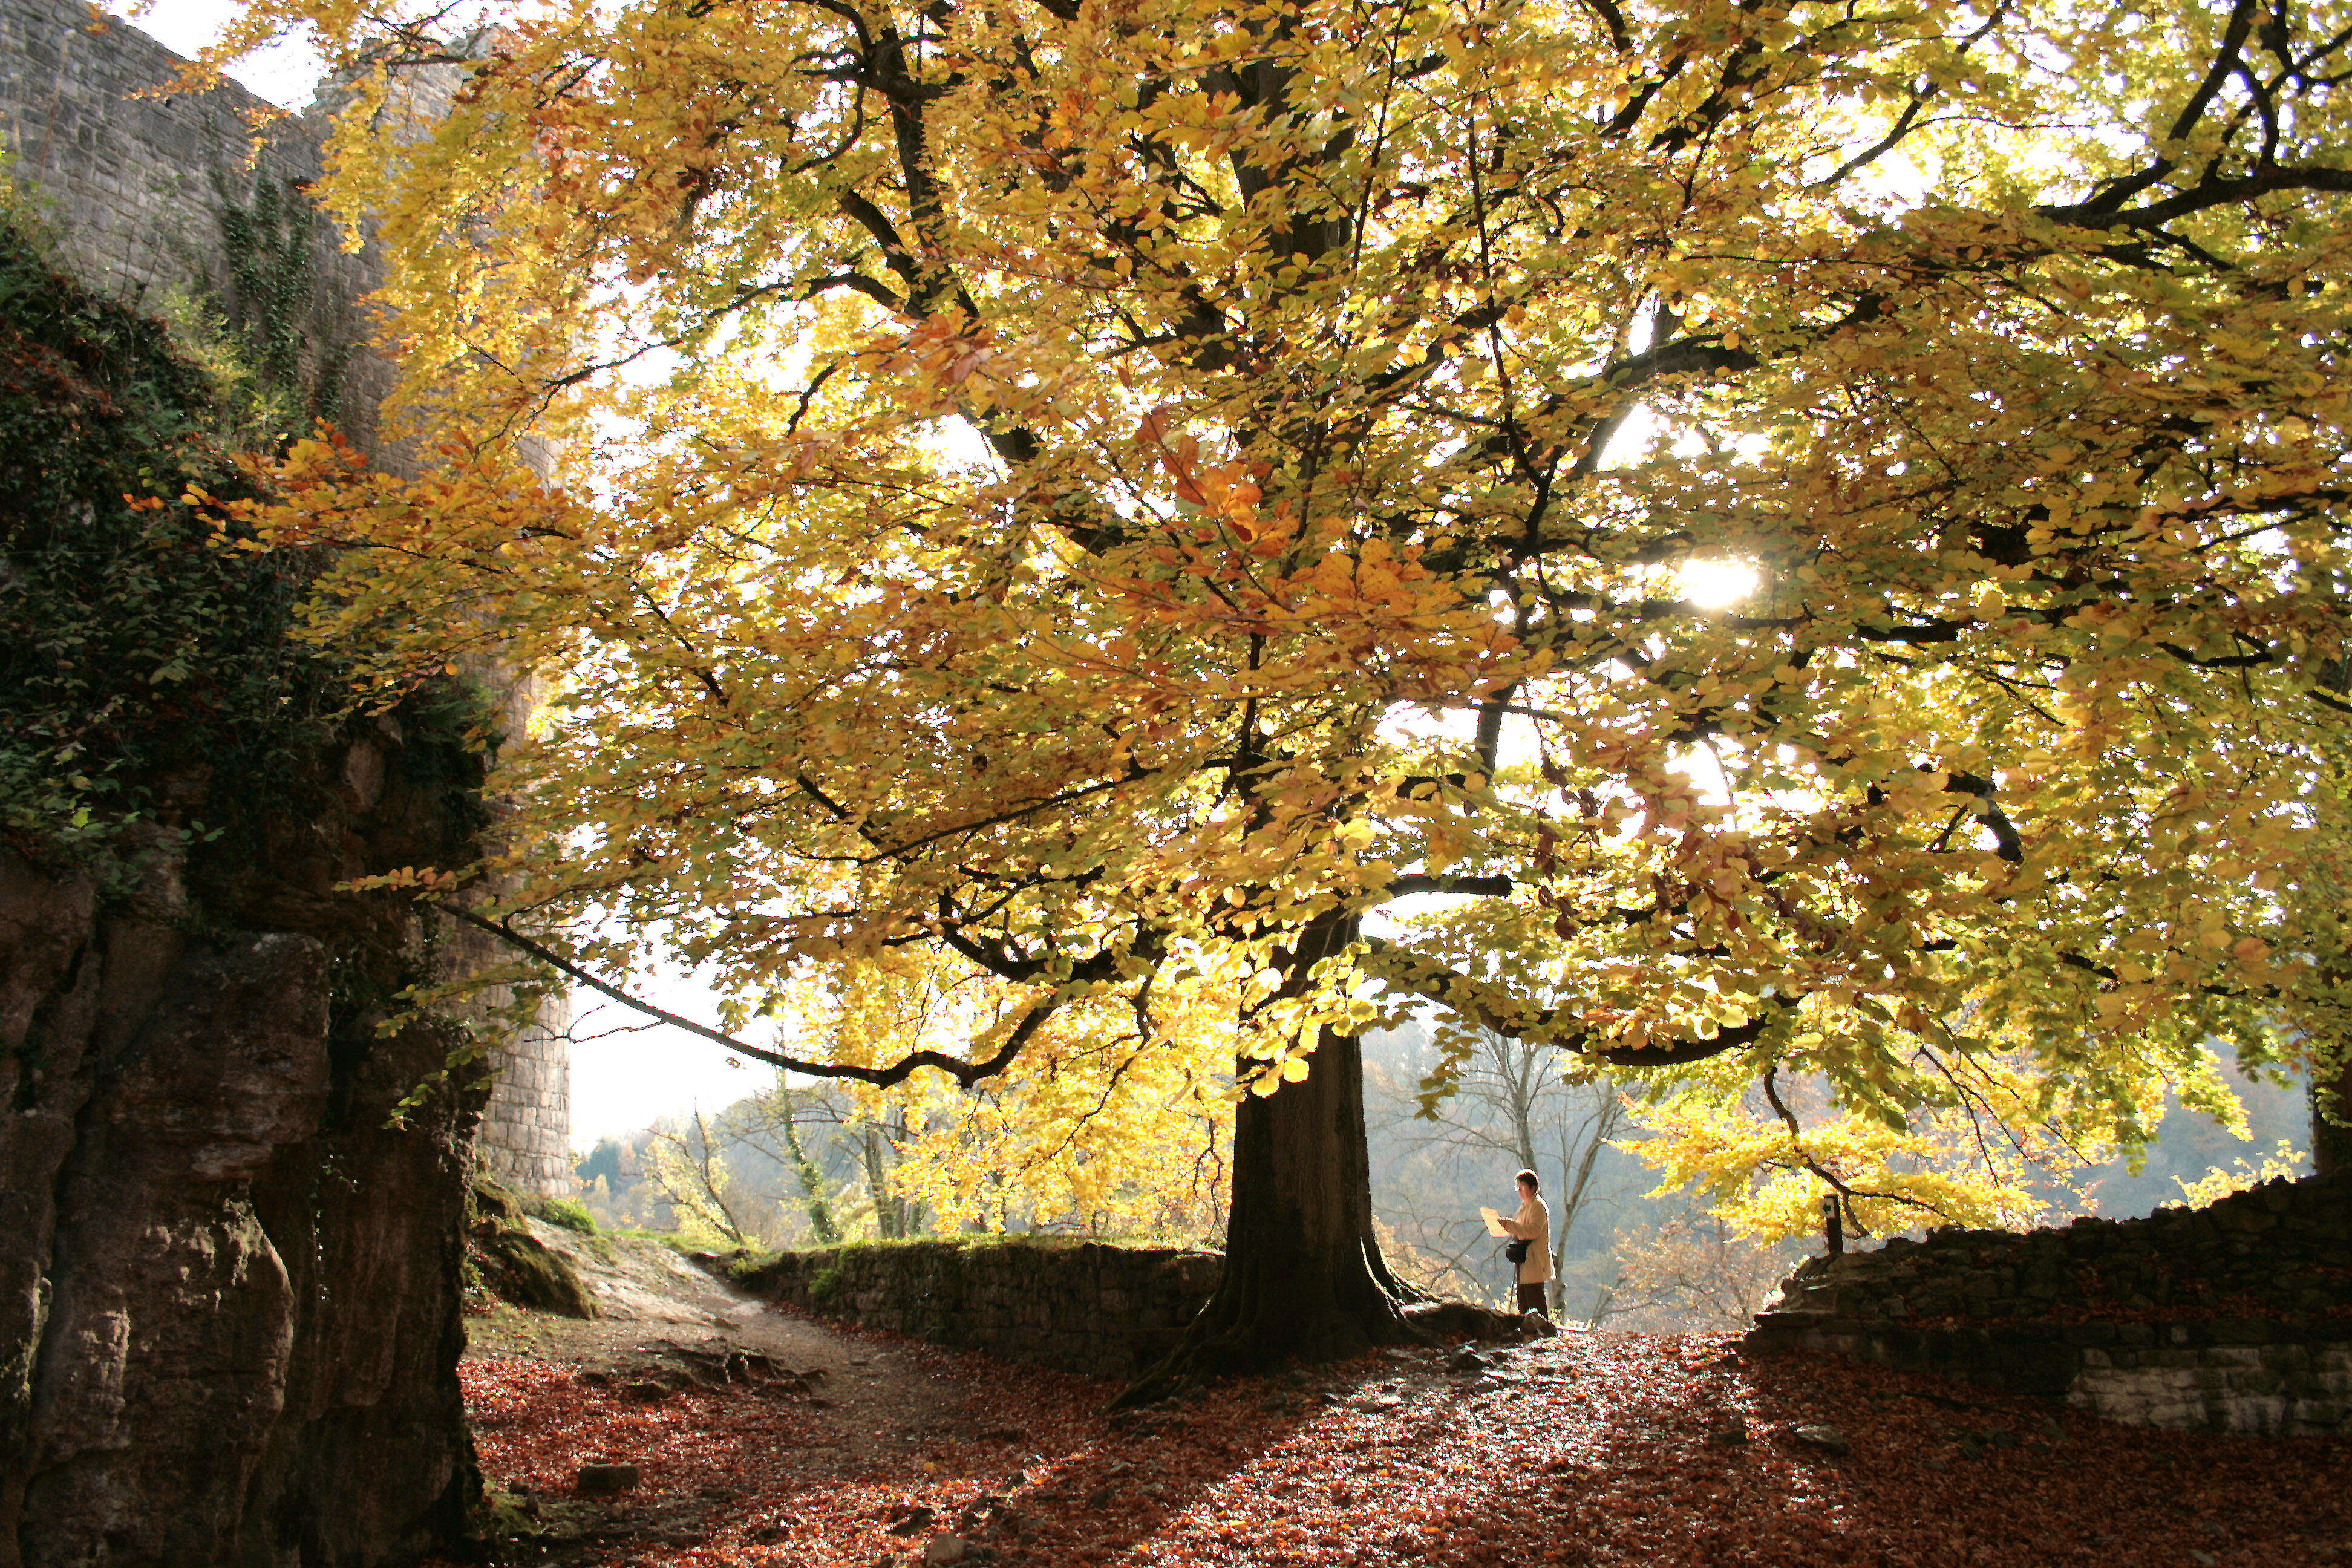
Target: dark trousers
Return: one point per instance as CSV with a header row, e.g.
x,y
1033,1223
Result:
x,y
1531,1299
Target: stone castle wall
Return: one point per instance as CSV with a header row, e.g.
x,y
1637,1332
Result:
x,y
1081,1307
2233,1317
525,1137
131,186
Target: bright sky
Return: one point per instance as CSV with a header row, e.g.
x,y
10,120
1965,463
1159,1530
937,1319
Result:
x,y
621,1081
284,73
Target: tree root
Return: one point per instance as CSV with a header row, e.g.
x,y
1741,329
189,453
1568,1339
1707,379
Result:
x,y
1442,1322
1211,1352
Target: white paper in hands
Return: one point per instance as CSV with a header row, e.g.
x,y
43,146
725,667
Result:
x,y
1493,1221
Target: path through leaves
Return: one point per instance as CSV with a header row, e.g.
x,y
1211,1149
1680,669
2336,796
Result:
x,y
1587,1449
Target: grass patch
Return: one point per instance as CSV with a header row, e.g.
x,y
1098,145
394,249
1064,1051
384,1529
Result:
x,y
676,1241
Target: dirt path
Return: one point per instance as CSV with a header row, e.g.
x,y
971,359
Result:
x,y
666,1320
1585,1451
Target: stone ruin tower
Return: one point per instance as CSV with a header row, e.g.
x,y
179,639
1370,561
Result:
x,y
132,188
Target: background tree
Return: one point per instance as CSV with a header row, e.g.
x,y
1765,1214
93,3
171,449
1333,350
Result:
x,y
775,1130
1506,1105
689,1166
1117,1116
1332,363
1690,1270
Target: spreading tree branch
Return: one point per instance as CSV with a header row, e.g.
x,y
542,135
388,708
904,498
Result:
x,y
965,1073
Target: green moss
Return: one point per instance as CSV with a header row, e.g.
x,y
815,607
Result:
x,y
575,1217
490,1202
518,1268
748,1266
512,1264
146,678
563,1212
824,1285
496,1517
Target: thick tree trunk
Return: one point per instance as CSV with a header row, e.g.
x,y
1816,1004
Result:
x,y
2331,1096
1303,1278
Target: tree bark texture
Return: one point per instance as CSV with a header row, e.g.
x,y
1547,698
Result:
x,y
1304,1277
2331,1108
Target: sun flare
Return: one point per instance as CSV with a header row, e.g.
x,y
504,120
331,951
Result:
x,y
1718,583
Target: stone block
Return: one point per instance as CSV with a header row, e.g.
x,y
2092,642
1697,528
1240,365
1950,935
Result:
x,y
2259,1413
2238,1331
2291,1359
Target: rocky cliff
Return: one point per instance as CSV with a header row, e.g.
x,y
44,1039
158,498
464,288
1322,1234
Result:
x,y
228,1280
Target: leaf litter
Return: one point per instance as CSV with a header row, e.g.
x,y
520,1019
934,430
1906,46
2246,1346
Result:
x,y
1586,1449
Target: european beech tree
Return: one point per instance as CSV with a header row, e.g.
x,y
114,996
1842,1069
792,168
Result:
x,y
1124,491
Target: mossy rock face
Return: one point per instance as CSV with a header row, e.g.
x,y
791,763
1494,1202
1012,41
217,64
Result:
x,y
514,1265
571,1216
493,1204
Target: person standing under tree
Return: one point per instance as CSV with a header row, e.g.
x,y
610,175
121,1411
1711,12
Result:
x,y
1532,1247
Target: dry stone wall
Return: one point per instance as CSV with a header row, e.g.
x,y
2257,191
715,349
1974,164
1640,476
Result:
x,y
2234,1317
1082,1306
130,183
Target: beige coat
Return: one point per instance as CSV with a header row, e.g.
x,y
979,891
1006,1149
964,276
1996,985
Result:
x,y
1533,1223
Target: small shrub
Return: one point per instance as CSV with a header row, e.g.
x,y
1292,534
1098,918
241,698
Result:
x,y
824,1285
745,1265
